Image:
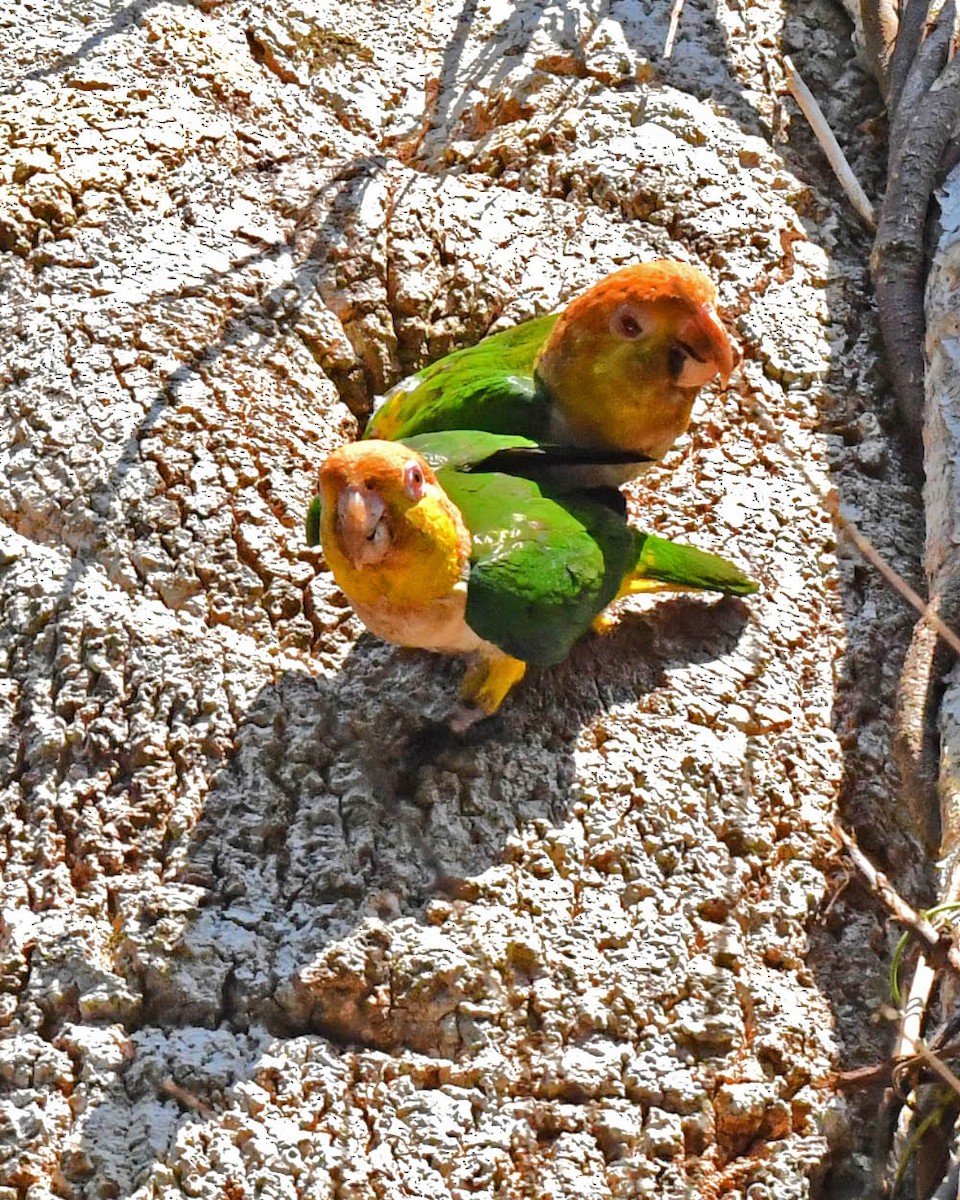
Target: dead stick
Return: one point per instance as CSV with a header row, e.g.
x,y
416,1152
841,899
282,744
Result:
x,y
674,26
918,997
895,904
937,1065
185,1098
831,147
896,581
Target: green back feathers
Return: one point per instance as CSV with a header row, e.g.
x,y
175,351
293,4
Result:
x,y
487,386
465,449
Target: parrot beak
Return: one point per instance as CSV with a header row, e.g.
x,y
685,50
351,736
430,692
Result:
x,y
710,349
364,535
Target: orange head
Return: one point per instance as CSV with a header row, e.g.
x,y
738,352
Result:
x,y
625,361
389,532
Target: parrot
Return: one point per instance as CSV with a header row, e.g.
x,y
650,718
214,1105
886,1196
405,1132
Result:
x,y
438,544
614,376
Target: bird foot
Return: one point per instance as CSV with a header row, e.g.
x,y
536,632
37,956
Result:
x,y
606,621
483,689
464,717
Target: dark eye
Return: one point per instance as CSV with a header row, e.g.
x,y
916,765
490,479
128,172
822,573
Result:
x,y
413,481
626,323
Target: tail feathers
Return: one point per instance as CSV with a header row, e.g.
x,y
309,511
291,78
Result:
x,y
313,521
662,565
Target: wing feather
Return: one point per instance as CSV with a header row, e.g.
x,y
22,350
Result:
x,y
487,386
542,566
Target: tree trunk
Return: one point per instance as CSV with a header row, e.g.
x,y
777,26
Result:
x,y
259,936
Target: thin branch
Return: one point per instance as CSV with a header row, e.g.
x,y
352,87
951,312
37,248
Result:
x,y
674,26
913,18
831,147
879,19
914,1009
861,1077
898,908
184,1098
896,581
937,1065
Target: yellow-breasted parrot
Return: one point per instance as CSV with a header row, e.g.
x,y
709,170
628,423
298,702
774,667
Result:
x,y
614,375
437,544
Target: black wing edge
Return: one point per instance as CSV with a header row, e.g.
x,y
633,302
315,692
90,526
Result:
x,y
534,461
526,460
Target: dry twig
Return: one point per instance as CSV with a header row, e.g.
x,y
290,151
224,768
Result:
x,y
899,909
831,147
914,1009
185,1099
675,12
896,580
937,1065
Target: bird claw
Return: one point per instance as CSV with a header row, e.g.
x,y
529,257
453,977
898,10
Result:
x,y
605,622
465,716
484,687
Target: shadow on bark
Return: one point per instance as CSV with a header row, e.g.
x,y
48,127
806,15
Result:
x,y
125,16
338,838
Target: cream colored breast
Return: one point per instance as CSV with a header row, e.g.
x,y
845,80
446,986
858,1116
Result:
x,y
438,625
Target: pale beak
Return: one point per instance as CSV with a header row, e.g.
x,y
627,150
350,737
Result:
x,y
364,536
710,349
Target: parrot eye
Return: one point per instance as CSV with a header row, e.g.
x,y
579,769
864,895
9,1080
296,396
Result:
x,y
626,323
413,481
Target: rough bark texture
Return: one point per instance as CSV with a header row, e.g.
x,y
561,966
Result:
x,y
942,500
257,938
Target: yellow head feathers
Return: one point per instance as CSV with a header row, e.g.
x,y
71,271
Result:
x,y
389,532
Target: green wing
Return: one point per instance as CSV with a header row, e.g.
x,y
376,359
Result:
x,y
546,562
465,449
487,386
542,566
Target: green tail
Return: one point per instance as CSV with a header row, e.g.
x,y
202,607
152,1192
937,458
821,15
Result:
x,y
313,521
670,563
